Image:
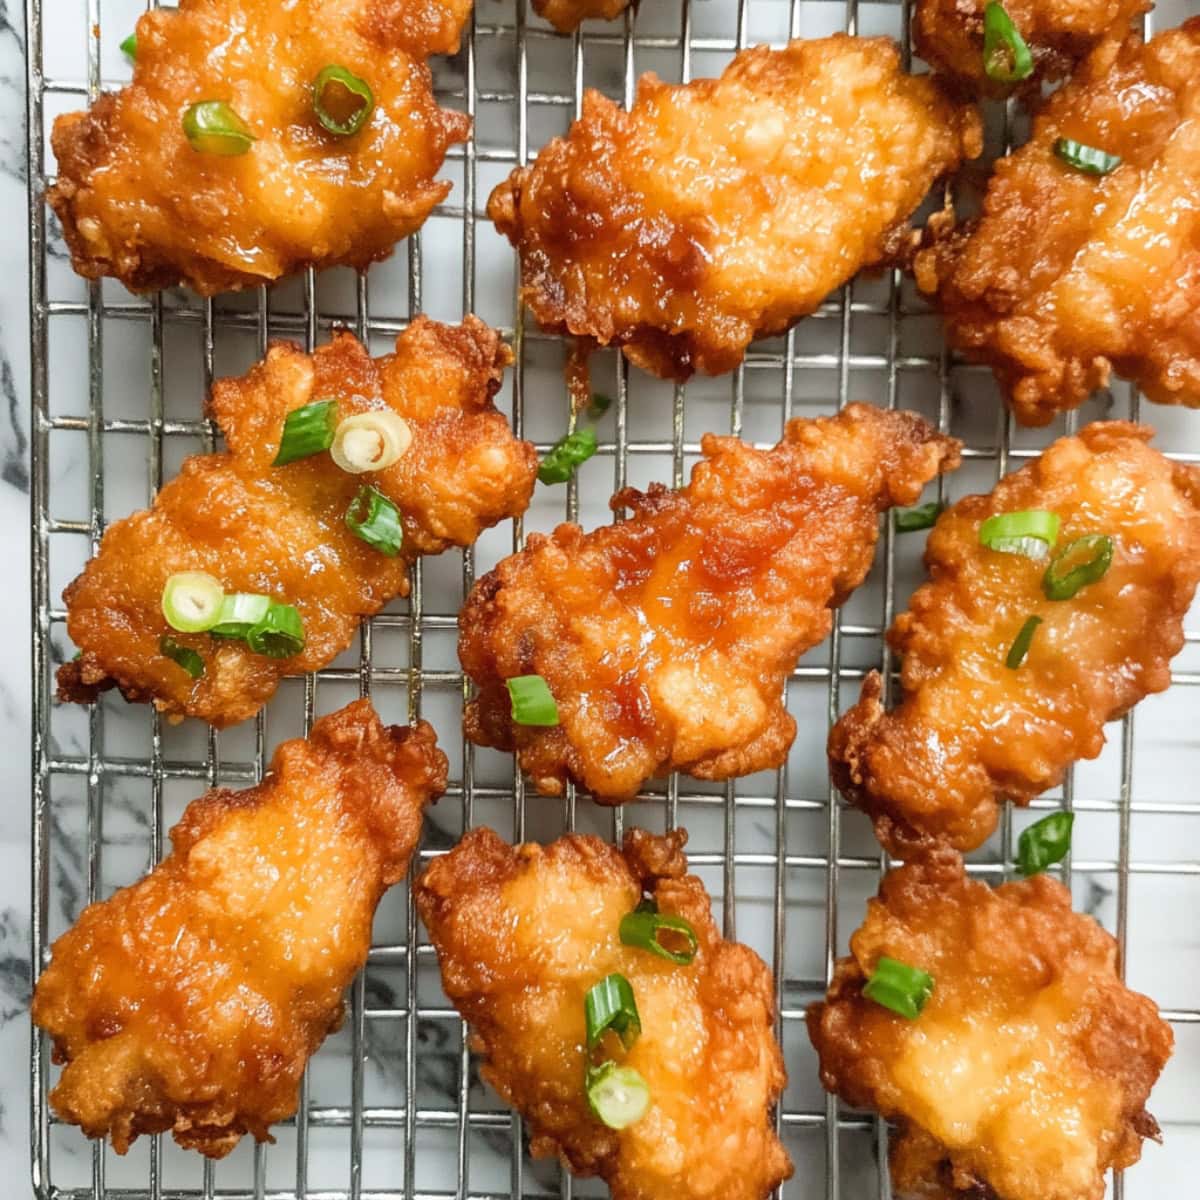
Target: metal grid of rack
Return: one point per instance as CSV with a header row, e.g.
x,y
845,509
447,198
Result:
x,y
399,1112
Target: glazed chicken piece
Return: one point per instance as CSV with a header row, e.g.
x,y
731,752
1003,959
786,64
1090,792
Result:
x,y
666,639
522,934
1069,276
971,731
1025,1076
725,209
139,202
193,1000
282,531
567,15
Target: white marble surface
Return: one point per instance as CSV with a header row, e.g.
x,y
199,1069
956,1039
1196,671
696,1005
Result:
x,y
1164,946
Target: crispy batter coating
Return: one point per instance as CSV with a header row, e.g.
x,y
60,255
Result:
x,y
725,209
1026,1075
523,933
192,1000
138,203
1067,276
282,530
969,731
666,639
567,15
948,34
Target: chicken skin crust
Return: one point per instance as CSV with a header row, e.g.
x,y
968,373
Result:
x,y
666,640
723,210
948,35
567,15
137,202
282,530
1026,1075
522,933
192,1000
1066,276
970,731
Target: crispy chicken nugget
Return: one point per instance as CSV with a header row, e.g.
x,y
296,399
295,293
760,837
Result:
x,y
1025,1076
1068,276
192,1001
971,731
282,530
666,639
138,202
523,933
722,210
568,15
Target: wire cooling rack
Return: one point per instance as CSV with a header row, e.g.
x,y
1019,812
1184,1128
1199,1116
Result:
x,y
392,1105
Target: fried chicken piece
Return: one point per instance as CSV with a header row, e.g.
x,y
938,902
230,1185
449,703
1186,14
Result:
x,y
282,530
193,1000
666,640
1026,1075
567,15
523,933
1067,277
137,202
970,731
723,210
948,34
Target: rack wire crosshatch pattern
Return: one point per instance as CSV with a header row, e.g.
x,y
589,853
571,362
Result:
x,y
392,1105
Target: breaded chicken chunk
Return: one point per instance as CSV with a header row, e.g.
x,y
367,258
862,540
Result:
x,y
139,202
949,35
193,1000
567,15
971,730
522,934
725,209
282,531
1068,276
666,640
1026,1075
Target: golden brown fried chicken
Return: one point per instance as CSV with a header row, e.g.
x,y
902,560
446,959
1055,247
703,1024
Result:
x,y
725,209
970,731
1026,1075
666,639
282,530
139,203
192,1000
523,933
568,15
1068,276
948,34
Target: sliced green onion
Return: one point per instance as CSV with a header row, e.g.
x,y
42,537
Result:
x,y
1021,643
609,1005
617,1095
896,985
1084,561
566,454
643,926
212,127
339,78
239,613
924,516
532,703
306,431
374,519
599,406
1029,533
280,634
1087,159
129,47
1044,843
191,601
184,656
370,441
1006,57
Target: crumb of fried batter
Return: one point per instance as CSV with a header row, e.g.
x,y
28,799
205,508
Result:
x,y
1026,1075
138,203
282,530
192,1000
567,15
522,933
725,209
1067,277
666,639
948,35
969,731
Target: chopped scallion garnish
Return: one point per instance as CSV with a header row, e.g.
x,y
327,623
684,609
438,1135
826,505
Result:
x,y
191,601
1044,843
1087,159
129,47
336,87
599,405
1021,643
896,985
1030,533
280,634
212,127
370,441
183,656
1006,57
924,516
532,702
617,1095
566,454
644,927
609,1005
1084,561
239,613
374,519
306,431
